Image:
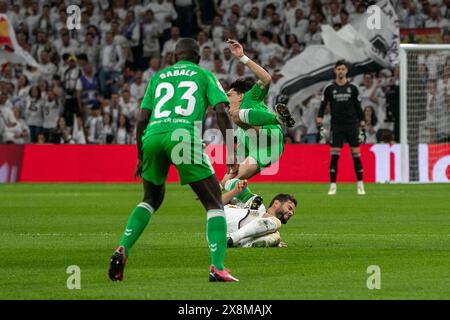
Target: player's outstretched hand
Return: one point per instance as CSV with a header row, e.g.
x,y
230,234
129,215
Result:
x,y
282,244
241,185
138,170
236,48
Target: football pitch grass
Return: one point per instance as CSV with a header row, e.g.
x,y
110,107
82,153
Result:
x,y
403,229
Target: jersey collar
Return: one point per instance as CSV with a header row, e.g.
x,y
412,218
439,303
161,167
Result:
x,y
181,62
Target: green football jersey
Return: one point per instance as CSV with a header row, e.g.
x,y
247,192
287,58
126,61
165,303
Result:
x,y
254,99
178,97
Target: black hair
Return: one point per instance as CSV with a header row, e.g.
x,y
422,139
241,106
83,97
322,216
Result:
x,y
187,49
243,85
283,197
340,63
373,118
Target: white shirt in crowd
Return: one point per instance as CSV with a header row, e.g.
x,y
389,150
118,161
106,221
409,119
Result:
x,y
138,90
34,112
95,129
266,51
14,134
162,11
169,46
112,57
309,114
150,41
51,110
122,136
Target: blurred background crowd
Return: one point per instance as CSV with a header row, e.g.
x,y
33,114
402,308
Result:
x,y
93,79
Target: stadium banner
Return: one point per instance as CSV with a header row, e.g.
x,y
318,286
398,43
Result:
x,y
298,163
11,157
420,35
366,48
10,50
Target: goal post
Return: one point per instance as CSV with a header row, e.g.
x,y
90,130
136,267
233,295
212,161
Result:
x,y
424,108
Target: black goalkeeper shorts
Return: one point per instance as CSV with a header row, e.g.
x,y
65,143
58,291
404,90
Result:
x,y
345,134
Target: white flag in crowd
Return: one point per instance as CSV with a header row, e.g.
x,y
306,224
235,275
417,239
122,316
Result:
x,y
10,50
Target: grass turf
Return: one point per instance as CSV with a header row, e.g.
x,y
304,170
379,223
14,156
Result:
x,y
404,229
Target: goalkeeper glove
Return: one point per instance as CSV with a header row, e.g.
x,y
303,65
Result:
x,y
321,134
362,136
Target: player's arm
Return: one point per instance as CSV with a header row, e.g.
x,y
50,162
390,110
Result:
x,y
217,98
357,104
229,195
224,124
141,123
323,105
264,78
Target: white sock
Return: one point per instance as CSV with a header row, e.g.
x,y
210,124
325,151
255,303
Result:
x,y
333,184
360,184
256,228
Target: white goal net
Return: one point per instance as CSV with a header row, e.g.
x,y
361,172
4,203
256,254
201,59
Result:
x,y
425,112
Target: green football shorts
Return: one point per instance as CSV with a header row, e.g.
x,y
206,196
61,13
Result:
x,y
266,152
186,153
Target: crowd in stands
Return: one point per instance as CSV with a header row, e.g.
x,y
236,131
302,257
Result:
x,y
429,101
92,80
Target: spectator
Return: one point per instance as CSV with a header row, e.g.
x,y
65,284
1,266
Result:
x,y
185,13
132,32
123,130
266,48
371,124
95,126
112,63
128,107
298,26
154,67
70,76
34,113
164,14
151,31
87,89
372,95
51,113
313,36
18,133
67,137
207,59
108,130
138,87
434,19
309,111
169,45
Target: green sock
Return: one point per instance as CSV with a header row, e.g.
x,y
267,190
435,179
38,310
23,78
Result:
x,y
137,222
257,117
217,237
244,195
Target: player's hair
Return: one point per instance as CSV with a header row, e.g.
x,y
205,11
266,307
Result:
x,y
187,49
283,197
243,85
340,63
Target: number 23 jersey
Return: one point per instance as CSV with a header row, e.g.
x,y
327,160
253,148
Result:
x,y
178,97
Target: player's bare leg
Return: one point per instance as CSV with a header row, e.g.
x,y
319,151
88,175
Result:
x,y
138,220
208,191
358,170
335,152
249,168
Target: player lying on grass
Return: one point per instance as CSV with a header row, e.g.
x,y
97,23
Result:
x,y
251,224
260,138
176,99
